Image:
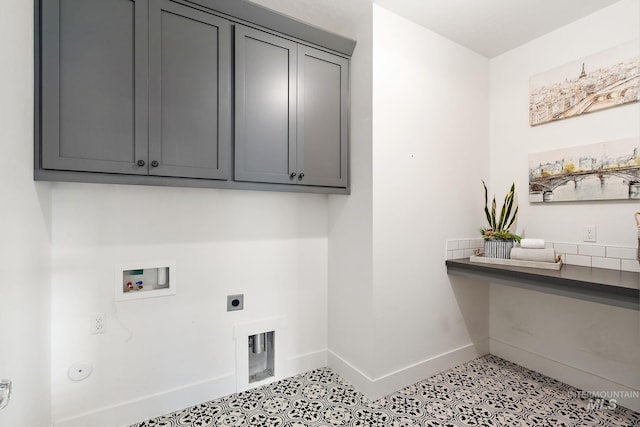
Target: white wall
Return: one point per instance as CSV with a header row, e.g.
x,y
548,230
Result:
x,y
395,317
585,344
165,353
350,224
24,231
272,247
430,152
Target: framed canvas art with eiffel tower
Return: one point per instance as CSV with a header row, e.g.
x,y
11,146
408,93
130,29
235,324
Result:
x,y
603,80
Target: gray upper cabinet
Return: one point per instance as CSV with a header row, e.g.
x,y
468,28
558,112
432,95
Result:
x,y
322,119
265,113
189,92
200,93
94,85
135,87
291,112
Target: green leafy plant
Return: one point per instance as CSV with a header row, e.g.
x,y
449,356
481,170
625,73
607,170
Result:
x,y
499,225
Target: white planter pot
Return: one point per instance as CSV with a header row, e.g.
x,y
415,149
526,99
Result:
x,y
494,248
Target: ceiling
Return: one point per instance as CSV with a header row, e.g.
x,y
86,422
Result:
x,y
492,27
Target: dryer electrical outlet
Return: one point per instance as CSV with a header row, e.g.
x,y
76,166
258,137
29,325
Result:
x,y
235,302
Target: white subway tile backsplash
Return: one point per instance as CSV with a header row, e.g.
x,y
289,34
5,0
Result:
x,y
566,248
609,263
477,243
630,265
622,252
587,255
592,250
463,248
578,260
469,252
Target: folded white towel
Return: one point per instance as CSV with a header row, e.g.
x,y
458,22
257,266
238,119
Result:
x,y
532,243
541,255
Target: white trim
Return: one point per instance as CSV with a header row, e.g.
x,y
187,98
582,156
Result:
x,y
137,410
562,372
147,407
241,333
375,388
306,362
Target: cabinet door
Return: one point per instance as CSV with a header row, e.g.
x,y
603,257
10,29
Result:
x,y
265,95
189,92
322,119
94,86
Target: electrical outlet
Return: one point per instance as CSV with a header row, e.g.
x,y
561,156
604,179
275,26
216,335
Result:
x,y
98,323
589,233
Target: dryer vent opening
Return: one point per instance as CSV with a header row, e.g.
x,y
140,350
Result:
x,y
261,356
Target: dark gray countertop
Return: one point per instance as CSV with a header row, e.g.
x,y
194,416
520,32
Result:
x,y
612,287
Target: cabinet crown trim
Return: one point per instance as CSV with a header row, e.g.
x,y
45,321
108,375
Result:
x,y
276,21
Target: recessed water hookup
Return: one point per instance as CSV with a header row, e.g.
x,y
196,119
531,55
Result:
x,y
235,302
145,280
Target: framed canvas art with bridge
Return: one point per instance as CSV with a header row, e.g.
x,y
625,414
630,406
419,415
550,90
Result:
x,y
604,171
604,80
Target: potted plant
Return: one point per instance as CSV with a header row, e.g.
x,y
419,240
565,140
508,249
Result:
x,y
498,239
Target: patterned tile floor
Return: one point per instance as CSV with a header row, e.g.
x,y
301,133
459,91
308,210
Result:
x,y
485,392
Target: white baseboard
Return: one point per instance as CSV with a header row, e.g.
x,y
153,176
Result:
x,y
134,411
568,374
147,407
379,387
306,362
